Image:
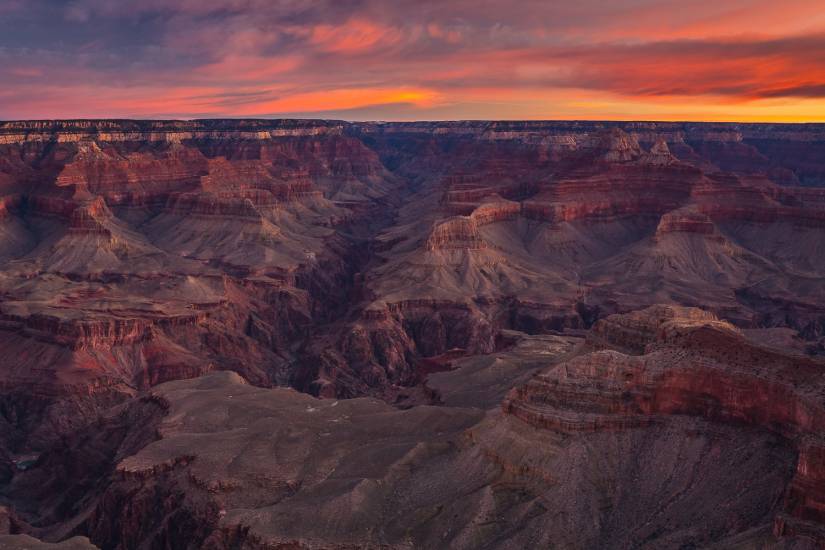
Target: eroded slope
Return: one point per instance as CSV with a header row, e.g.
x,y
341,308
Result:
x,y
430,266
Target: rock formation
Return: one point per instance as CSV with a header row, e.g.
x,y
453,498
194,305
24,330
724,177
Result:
x,y
425,270
25,542
685,362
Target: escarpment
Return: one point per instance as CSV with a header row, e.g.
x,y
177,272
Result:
x,y
234,464
143,253
688,363
398,273
518,223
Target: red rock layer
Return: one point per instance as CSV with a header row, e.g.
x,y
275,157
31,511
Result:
x,y
457,232
516,234
143,252
692,365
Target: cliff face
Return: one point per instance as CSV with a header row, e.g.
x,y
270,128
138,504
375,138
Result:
x,y
688,363
599,438
360,259
261,226
139,252
264,226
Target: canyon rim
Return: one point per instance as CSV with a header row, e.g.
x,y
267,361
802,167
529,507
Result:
x,y
412,274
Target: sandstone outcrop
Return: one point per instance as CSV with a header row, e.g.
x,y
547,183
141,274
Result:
x,y
688,363
457,232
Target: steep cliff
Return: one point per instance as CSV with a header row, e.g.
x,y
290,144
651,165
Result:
x,y
687,363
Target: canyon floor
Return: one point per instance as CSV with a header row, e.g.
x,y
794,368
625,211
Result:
x,y
296,334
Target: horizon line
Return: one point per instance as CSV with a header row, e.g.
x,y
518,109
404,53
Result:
x,y
416,121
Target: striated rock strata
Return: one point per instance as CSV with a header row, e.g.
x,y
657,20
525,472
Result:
x,y
417,264
684,362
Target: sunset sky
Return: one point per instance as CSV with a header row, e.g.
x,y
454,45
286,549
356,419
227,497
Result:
x,y
745,60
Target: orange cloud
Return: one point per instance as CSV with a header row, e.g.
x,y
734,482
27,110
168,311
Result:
x,y
735,70
330,100
241,68
354,36
209,101
412,59
452,36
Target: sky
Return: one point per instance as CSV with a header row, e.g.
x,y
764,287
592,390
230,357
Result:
x,y
736,60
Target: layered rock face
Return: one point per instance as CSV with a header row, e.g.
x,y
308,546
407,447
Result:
x,y
549,226
602,449
136,253
418,264
189,246
684,362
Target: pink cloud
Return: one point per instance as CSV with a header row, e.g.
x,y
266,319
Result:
x,y
255,57
354,36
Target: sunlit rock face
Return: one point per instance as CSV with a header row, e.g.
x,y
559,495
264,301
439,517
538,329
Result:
x,y
496,307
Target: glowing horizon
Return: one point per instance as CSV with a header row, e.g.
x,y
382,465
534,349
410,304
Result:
x,y
736,61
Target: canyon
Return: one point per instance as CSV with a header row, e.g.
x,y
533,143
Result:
x,y
322,334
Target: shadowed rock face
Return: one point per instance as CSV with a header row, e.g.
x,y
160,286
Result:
x,y
25,542
139,253
428,266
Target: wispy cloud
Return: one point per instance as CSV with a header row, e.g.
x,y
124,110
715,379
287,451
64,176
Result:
x,y
413,59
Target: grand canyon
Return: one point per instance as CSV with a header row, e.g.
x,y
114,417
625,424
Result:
x,y
306,334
